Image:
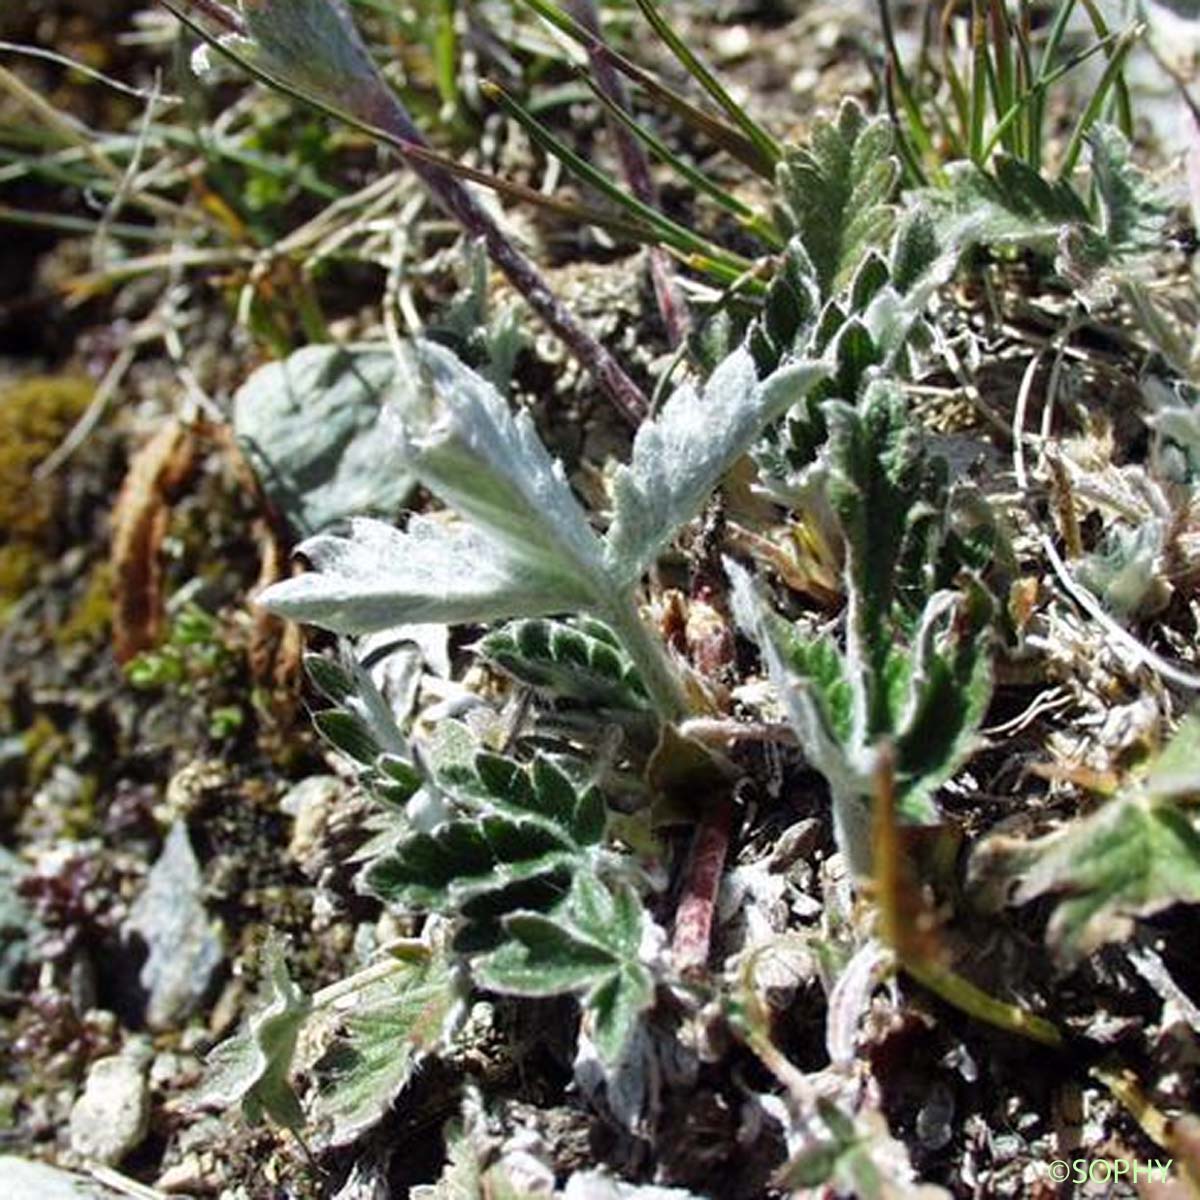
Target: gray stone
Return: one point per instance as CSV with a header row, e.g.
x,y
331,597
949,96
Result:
x,y
25,1179
111,1117
310,427
185,949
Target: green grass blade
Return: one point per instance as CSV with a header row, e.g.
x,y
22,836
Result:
x,y
1038,91
1002,76
762,140
671,233
1124,106
1037,116
914,139
954,82
1095,106
413,152
977,114
445,55
754,222
717,131
1024,82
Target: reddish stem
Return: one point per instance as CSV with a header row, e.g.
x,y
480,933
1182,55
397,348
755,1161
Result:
x,y
216,12
692,937
368,98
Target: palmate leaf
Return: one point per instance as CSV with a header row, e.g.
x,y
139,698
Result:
x,y
393,1021
526,548
1137,854
457,434
681,456
1014,205
581,661
818,701
835,193
947,688
589,946
862,332
1131,858
251,1068
915,670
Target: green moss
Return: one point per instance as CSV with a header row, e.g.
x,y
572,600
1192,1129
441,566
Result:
x,y
35,415
92,615
19,563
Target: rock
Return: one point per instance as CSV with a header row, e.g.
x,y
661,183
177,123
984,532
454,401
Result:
x,y
185,949
310,427
188,1178
28,1180
310,804
110,1119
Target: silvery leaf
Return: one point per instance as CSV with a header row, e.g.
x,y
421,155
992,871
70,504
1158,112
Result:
x,y
314,46
680,457
458,436
378,577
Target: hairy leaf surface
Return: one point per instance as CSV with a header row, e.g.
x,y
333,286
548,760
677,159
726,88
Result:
x,y
392,1022
589,945
681,456
252,1067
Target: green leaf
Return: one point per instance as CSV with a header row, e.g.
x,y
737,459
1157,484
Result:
x,y
916,668
252,1067
915,248
459,437
1133,211
1137,854
816,708
947,690
364,728
853,1156
310,428
1174,773
835,193
567,661
1132,858
394,1020
516,837
1014,206
790,310
314,46
349,733
590,944
434,572
874,463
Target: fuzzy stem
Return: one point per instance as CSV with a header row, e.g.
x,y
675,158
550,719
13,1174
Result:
x,y
653,662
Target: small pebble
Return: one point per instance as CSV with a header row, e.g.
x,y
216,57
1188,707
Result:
x,y
110,1119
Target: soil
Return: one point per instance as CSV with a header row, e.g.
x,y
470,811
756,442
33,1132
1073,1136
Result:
x,y
100,758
